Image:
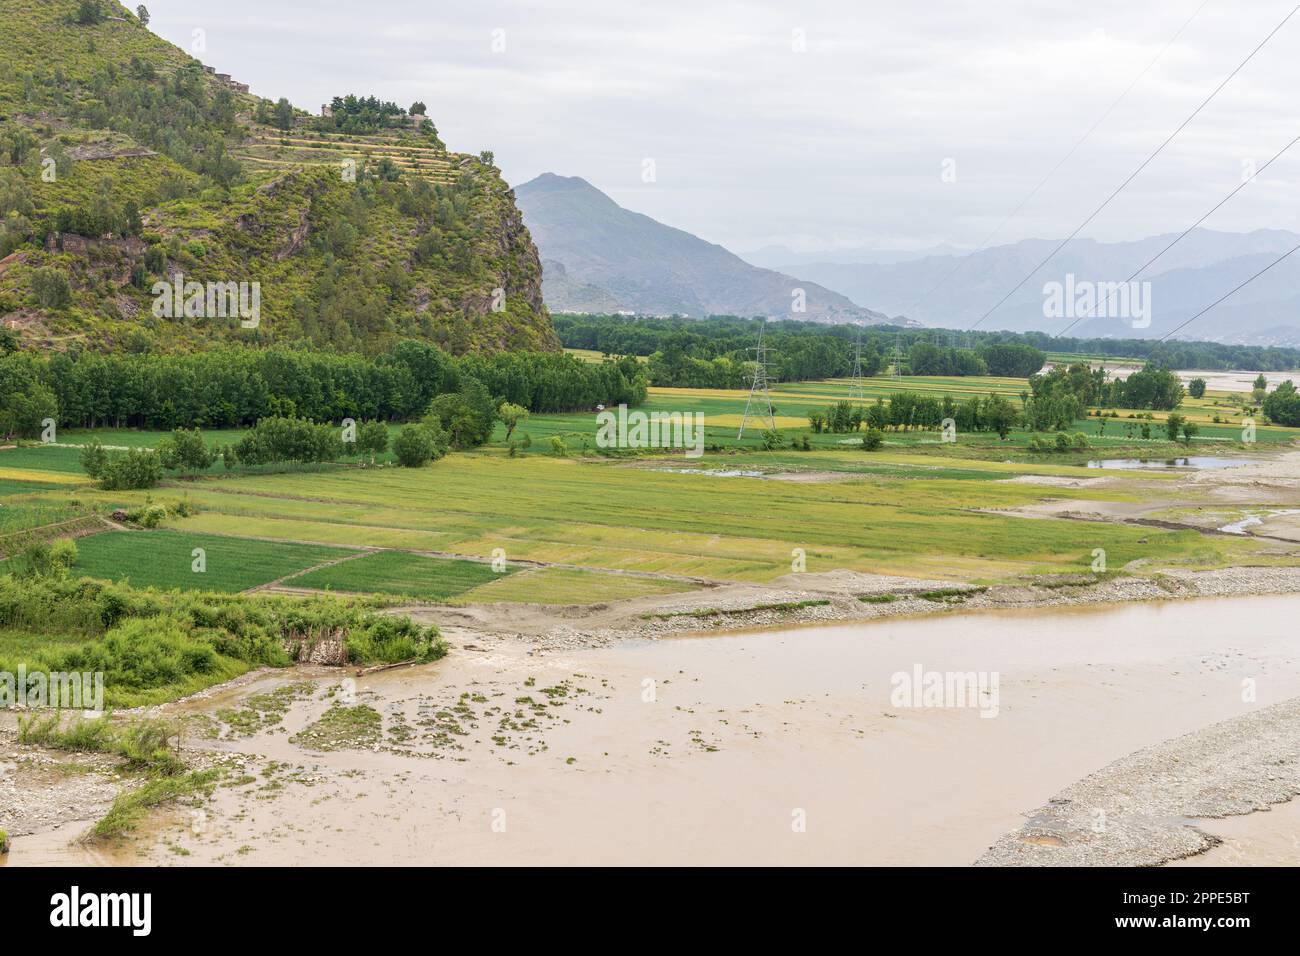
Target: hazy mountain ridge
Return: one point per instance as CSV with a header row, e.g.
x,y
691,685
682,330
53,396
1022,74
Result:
x,y
614,259
1200,269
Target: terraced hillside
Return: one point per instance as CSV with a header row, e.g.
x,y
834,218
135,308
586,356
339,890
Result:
x,y
126,164
267,147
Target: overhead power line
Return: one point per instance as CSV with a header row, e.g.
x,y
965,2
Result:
x,y
1228,295
1133,175
1063,160
1246,182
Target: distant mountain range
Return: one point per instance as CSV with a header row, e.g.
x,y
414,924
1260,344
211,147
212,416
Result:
x,y
599,257
783,257
1189,277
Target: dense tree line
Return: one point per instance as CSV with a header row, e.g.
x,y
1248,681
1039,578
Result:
x,y
233,387
926,358
1004,353
1152,387
907,411
718,352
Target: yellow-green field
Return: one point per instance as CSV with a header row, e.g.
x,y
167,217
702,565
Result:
x,y
915,507
639,517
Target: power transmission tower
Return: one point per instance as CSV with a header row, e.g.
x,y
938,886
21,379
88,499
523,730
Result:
x,y
855,386
759,388
896,356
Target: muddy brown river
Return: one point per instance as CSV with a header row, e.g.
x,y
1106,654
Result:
x,y
813,745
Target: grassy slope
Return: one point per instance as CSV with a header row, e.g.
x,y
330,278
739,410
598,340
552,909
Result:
x,y
247,233
37,37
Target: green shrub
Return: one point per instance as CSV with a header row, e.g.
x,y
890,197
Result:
x,y
132,469
152,645
393,639
52,288
43,559
94,460
277,439
63,554
415,446
186,450
150,516
372,438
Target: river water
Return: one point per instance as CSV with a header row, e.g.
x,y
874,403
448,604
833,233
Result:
x,y
779,746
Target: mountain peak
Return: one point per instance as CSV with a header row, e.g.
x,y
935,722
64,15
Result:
x,y
598,256
556,182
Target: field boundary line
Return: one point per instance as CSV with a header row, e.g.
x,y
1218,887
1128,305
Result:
x,y
453,556
360,553
99,523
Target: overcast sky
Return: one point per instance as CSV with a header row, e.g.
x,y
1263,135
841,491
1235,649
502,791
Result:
x,y
839,139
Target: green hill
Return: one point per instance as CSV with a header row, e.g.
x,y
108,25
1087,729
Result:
x,y
125,163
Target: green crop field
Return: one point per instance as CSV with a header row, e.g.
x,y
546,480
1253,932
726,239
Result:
x,y
400,572
916,506
651,516
723,410
163,559
44,458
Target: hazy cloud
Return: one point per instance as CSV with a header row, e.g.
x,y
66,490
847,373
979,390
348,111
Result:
x,y
838,141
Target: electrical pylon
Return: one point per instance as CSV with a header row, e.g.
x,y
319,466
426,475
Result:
x,y
896,357
759,387
855,386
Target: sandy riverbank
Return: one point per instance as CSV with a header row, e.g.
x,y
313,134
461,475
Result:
x,y
1148,807
780,746
833,597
